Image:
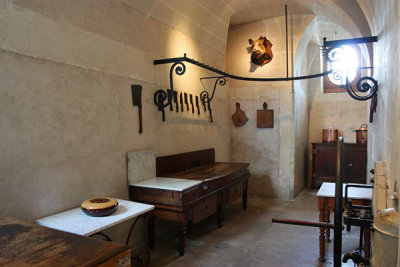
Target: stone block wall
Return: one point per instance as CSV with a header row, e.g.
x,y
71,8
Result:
x,y
66,114
271,152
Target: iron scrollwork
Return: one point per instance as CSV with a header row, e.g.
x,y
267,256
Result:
x,y
366,84
367,87
205,97
160,96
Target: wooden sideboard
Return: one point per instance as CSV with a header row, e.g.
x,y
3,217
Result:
x,y
218,183
324,163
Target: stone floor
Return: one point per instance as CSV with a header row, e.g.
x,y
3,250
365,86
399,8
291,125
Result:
x,y
249,238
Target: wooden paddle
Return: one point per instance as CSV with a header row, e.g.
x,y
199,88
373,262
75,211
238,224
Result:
x,y
239,117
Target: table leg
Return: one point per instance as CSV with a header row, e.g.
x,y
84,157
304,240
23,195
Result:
x,y
220,216
182,239
151,230
367,242
244,200
328,220
321,207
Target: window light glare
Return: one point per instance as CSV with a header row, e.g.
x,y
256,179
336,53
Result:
x,y
345,63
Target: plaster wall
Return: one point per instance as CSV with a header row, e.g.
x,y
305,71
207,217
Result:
x,y
336,110
66,114
271,152
384,132
300,102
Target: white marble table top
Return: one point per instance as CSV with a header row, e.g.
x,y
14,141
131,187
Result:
x,y
76,222
167,183
328,190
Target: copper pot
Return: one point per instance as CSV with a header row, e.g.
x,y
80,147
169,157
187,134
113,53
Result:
x,y
329,135
362,134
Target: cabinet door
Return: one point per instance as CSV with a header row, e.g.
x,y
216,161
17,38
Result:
x,y
324,160
355,164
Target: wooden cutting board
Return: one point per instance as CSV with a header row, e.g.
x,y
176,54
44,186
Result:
x,y
265,117
239,117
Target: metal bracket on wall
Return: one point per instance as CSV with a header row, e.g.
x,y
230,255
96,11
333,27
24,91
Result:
x,y
367,87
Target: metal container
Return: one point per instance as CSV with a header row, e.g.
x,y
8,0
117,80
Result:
x,y
362,134
329,135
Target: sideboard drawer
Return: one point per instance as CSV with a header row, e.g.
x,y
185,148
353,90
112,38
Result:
x,y
235,191
205,209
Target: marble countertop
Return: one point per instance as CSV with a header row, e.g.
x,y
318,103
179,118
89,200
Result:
x,y
167,183
76,222
328,190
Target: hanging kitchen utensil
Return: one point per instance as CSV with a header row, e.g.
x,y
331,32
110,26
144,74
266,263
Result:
x,y
181,101
186,101
191,102
209,109
176,101
197,105
203,102
265,117
170,96
362,134
160,104
137,101
239,117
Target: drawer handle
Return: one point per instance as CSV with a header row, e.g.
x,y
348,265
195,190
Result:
x,y
205,207
205,186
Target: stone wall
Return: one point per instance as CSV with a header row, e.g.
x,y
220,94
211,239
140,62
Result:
x,y
271,152
66,114
384,132
325,110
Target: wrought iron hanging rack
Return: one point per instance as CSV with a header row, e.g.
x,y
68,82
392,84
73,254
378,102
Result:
x,y
366,84
160,96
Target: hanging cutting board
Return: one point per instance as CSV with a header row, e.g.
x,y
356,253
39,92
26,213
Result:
x,y
239,117
265,117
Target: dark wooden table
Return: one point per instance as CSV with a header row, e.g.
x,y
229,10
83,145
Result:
x,y
27,244
219,183
326,204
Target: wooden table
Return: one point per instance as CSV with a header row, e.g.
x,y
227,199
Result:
x,y
76,222
26,244
326,204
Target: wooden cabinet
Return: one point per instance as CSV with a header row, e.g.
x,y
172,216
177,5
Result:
x,y
324,163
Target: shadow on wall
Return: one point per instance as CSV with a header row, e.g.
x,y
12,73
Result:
x,y
262,185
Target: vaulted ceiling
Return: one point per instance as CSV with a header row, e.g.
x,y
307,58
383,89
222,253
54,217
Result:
x,y
209,20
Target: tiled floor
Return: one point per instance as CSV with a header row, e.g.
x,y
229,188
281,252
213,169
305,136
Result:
x,y
249,238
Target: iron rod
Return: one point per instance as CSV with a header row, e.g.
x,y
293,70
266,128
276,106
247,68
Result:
x,y
291,48
337,247
304,223
361,40
287,48
210,77
194,62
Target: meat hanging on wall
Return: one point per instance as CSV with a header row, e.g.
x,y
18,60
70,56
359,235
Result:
x,y
261,52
